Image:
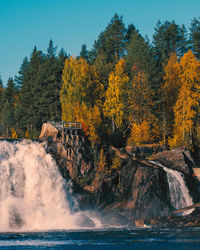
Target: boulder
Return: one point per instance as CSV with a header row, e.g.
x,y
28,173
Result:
x,y
139,223
178,159
143,151
144,190
48,131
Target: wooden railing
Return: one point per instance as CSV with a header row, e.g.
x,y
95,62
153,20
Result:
x,y
69,125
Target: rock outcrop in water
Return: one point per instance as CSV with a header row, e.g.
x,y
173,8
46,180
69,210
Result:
x,y
139,190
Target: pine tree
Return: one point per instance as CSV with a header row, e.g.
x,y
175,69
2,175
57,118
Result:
x,y
138,54
84,52
51,50
51,83
1,92
195,36
109,48
114,39
31,91
1,103
169,37
7,104
111,41
21,78
21,82
130,31
39,82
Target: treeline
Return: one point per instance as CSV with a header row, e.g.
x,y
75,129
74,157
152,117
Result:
x,y
33,96
124,90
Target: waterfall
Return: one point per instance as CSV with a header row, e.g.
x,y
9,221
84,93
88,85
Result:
x,y
33,194
179,193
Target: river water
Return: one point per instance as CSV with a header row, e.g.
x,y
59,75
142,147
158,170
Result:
x,y
103,239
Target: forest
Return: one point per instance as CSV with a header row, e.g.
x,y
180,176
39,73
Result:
x,y
126,90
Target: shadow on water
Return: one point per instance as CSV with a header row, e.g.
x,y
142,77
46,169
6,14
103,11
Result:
x,y
103,239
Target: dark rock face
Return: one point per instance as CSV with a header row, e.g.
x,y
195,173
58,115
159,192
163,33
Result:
x,y
143,151
137,191
178,159
145,190
192,220
181,160
73,157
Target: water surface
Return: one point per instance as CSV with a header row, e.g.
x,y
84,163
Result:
x,y
103,239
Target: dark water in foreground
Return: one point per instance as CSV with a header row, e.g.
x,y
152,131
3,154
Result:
x,y
103,239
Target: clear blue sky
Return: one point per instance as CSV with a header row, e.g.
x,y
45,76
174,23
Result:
x,y
71,23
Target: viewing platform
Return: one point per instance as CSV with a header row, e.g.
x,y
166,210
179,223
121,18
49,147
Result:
x,y
62,126
66,131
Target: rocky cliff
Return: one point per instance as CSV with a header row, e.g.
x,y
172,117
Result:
x,y
138,190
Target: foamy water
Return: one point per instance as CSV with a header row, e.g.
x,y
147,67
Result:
x,y
179,193
33,194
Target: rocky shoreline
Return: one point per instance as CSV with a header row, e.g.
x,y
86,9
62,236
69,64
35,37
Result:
x,y
138,192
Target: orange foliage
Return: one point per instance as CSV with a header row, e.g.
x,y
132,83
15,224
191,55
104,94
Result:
x,y
169,92
185,109
13,133
80,84
140,133
114,105
90,119
27,134
140,98
172,83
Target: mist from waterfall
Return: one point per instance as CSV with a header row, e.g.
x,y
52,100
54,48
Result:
x,y
179,193
33,194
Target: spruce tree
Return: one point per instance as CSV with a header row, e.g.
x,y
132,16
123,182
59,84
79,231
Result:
x,y
129,32
84,52
169,37
195,36
109,48
7,104
31,91
138,54
51,50
1,92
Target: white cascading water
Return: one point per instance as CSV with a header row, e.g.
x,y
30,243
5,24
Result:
x,y
179,193
33,194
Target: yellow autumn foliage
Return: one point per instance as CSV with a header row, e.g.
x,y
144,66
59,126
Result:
x,y
140,98
27,134
169,92
81,96
13,133
185,109
101,170
116,163
80,84
90,119
140,133
115,96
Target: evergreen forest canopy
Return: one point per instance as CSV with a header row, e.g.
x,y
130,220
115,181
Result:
x,y
125,90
